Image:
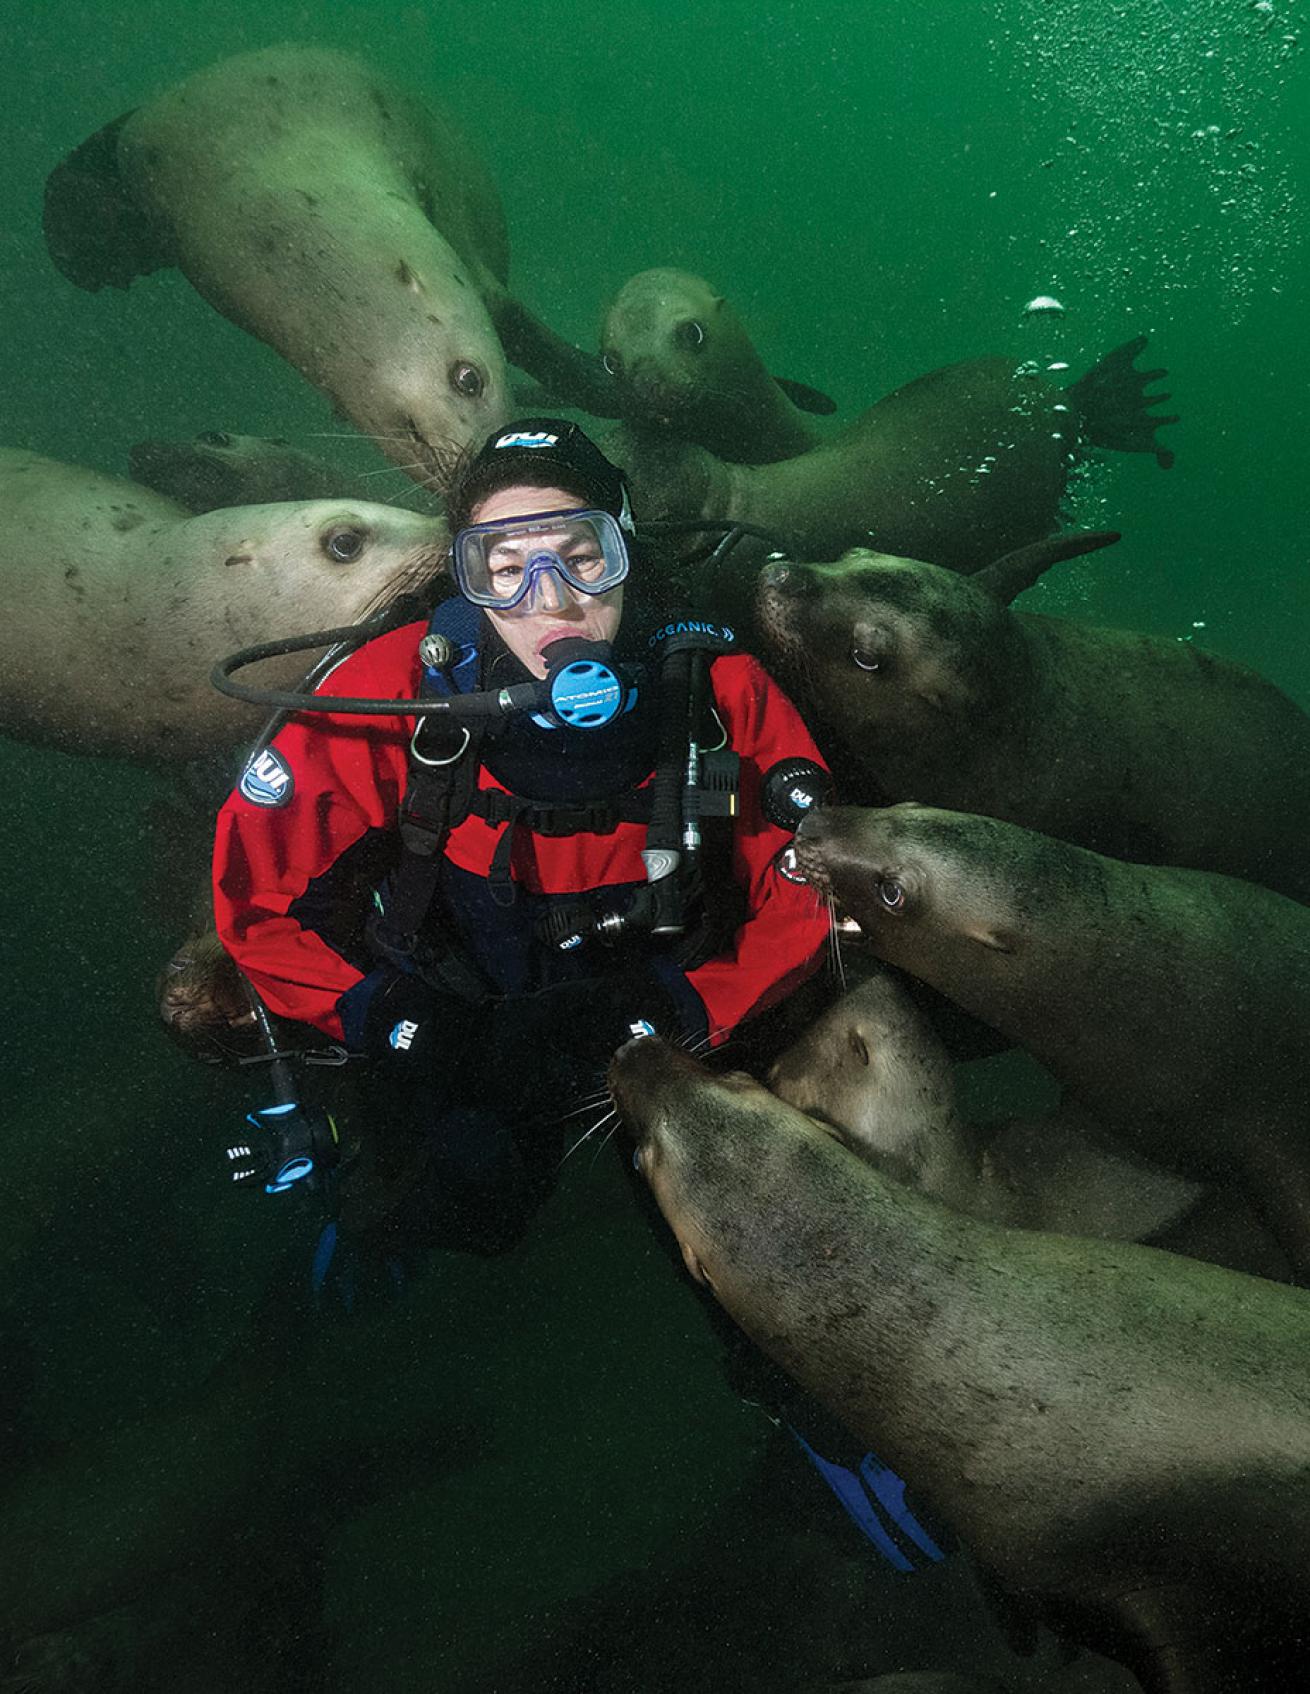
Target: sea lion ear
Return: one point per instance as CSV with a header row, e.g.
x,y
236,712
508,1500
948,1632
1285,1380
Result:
x,y
1007,577
805,398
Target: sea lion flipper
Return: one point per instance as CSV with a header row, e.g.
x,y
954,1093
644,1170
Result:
x,y
95,231
578,378
1008,576
1114,407
532,396
805,398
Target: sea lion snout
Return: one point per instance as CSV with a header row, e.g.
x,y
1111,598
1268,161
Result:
x,y
781,576
855,854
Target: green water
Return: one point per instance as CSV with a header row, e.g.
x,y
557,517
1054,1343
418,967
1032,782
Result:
x,y
879,188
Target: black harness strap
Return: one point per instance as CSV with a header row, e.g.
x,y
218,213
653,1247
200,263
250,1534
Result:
x,y
586,817
436,799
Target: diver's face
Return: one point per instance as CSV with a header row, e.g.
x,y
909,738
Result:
x,y
554,609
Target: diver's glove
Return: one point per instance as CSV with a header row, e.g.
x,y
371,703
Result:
x,y
555,1044
394,1016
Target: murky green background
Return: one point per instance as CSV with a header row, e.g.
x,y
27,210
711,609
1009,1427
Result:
x,y
879,187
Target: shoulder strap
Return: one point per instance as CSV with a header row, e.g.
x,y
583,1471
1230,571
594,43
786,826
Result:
x,y
443,773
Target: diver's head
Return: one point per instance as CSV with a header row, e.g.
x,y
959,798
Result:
x,y
541,522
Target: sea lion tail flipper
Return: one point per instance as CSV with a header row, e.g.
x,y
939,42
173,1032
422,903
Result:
x,y
1114,407
805,398
577,378
95,231
1007,577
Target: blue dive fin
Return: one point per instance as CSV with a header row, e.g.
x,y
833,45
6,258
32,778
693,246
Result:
x,y
888,1491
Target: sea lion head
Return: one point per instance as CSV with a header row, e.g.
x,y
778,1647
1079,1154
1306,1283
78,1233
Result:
x,y
675,348
884,649
722,1156
892,652
873,1070
264,571
217,468
920,881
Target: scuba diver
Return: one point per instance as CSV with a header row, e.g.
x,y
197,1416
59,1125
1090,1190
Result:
x,y
583,839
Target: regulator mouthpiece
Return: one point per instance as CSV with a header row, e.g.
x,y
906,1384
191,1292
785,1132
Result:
x,y
583,687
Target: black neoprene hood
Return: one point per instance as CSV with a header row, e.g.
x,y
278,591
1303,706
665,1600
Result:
x,y
539,453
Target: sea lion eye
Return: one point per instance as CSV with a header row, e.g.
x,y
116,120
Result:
x,y
344,544
892,895
859,1047
873,645
215,438
466,379
610,363
689,334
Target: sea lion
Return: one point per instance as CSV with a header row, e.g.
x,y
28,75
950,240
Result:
x,y
1121,1436
337,218
119,602
683,362
873,1068
218,468
203,1002
1116,977
958,466
922,685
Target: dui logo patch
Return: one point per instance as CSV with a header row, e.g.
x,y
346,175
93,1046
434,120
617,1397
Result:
x,y
267,780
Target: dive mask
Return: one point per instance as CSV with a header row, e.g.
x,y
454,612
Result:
x,y
501,564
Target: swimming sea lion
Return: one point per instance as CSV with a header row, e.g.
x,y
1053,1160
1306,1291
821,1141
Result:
x,y
1117,977
337,218
119,602
958,466
1121,1435
873,1068
217,468
682,361
923,685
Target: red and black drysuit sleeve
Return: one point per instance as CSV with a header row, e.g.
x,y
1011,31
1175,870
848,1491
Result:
x,y
331,780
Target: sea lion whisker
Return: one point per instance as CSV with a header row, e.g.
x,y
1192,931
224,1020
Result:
x,y
588,1105
393,470
611,1111
605,1143
349,435
834,941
